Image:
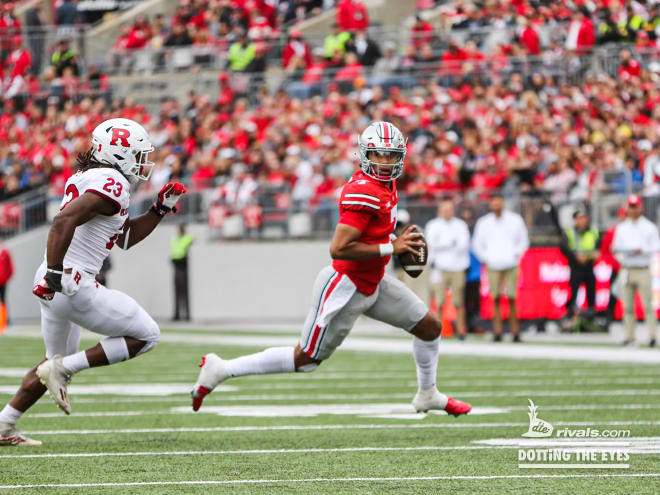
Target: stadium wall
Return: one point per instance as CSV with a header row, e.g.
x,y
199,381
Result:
x,y
230,281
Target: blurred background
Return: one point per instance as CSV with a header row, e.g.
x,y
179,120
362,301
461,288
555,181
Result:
x,y
256,106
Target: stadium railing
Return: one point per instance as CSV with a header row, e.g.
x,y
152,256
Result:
x,y
273,215
24,212
214,57
565,68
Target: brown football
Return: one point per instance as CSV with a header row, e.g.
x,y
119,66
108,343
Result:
x,y
412,264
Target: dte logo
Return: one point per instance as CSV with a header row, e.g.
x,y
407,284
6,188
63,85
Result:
x,y
537,427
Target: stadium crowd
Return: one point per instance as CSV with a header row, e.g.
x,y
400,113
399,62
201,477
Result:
x,y
250,39
509,134
511,129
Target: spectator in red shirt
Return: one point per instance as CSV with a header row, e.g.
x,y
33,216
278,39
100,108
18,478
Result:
x,y
629,68
472,53
530,38
6,272
587,35
225,94
422,32
10,26
451,62
352,15
351,70
19,59
296,54
19,62
314,72
139,34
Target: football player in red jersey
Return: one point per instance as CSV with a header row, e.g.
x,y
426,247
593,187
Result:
x,y
356,283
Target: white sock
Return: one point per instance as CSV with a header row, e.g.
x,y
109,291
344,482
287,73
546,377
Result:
x,y
426,359
75,362
271,360
10,415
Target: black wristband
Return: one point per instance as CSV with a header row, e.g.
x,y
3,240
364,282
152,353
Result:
x,y
59,267
159,209
54,276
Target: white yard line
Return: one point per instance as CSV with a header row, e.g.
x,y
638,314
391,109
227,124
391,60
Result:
x,y
104,414
333,427
110,387
259,451
404,346
128,389
307,380
222,397
505,409
488,349
335,480
641,445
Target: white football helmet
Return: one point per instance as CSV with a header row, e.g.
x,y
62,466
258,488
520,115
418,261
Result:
x,y
384,139
124,144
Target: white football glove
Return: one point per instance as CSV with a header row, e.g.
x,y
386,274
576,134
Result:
x,y
71,282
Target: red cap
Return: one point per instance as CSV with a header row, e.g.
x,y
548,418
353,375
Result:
x,y
634,200
17,40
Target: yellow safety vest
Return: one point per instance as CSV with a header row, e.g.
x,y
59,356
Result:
x,y
180,246
584,242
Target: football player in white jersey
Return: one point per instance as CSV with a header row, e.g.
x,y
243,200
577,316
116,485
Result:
x,y
93,218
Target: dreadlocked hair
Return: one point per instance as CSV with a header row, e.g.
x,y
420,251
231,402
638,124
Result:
x,y
86,160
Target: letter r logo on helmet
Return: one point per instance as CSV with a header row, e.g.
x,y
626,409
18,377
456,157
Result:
x,y
121,134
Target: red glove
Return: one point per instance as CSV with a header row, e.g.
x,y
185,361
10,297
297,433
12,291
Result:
x,y
167,198
42,291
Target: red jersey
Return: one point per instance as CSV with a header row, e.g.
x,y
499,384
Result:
x,y
370,206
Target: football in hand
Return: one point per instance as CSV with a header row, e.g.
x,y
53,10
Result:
x,y
412,264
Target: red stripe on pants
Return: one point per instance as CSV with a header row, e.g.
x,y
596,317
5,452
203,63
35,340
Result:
x,y
317,329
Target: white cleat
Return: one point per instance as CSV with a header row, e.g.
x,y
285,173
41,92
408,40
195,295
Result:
x,y
430,399
52,374
213,371
9,435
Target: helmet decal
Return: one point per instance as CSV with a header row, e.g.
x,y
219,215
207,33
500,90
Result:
x,y
121,134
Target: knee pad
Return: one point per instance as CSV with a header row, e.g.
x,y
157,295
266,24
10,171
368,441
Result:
x,y
152,338
307,368
147,347
115,349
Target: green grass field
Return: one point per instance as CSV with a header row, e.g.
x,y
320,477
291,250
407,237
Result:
x,y
346,428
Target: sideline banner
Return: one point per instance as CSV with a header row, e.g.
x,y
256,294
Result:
x,y
543,287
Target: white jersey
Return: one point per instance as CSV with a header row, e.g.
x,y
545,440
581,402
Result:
x,y
92,241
